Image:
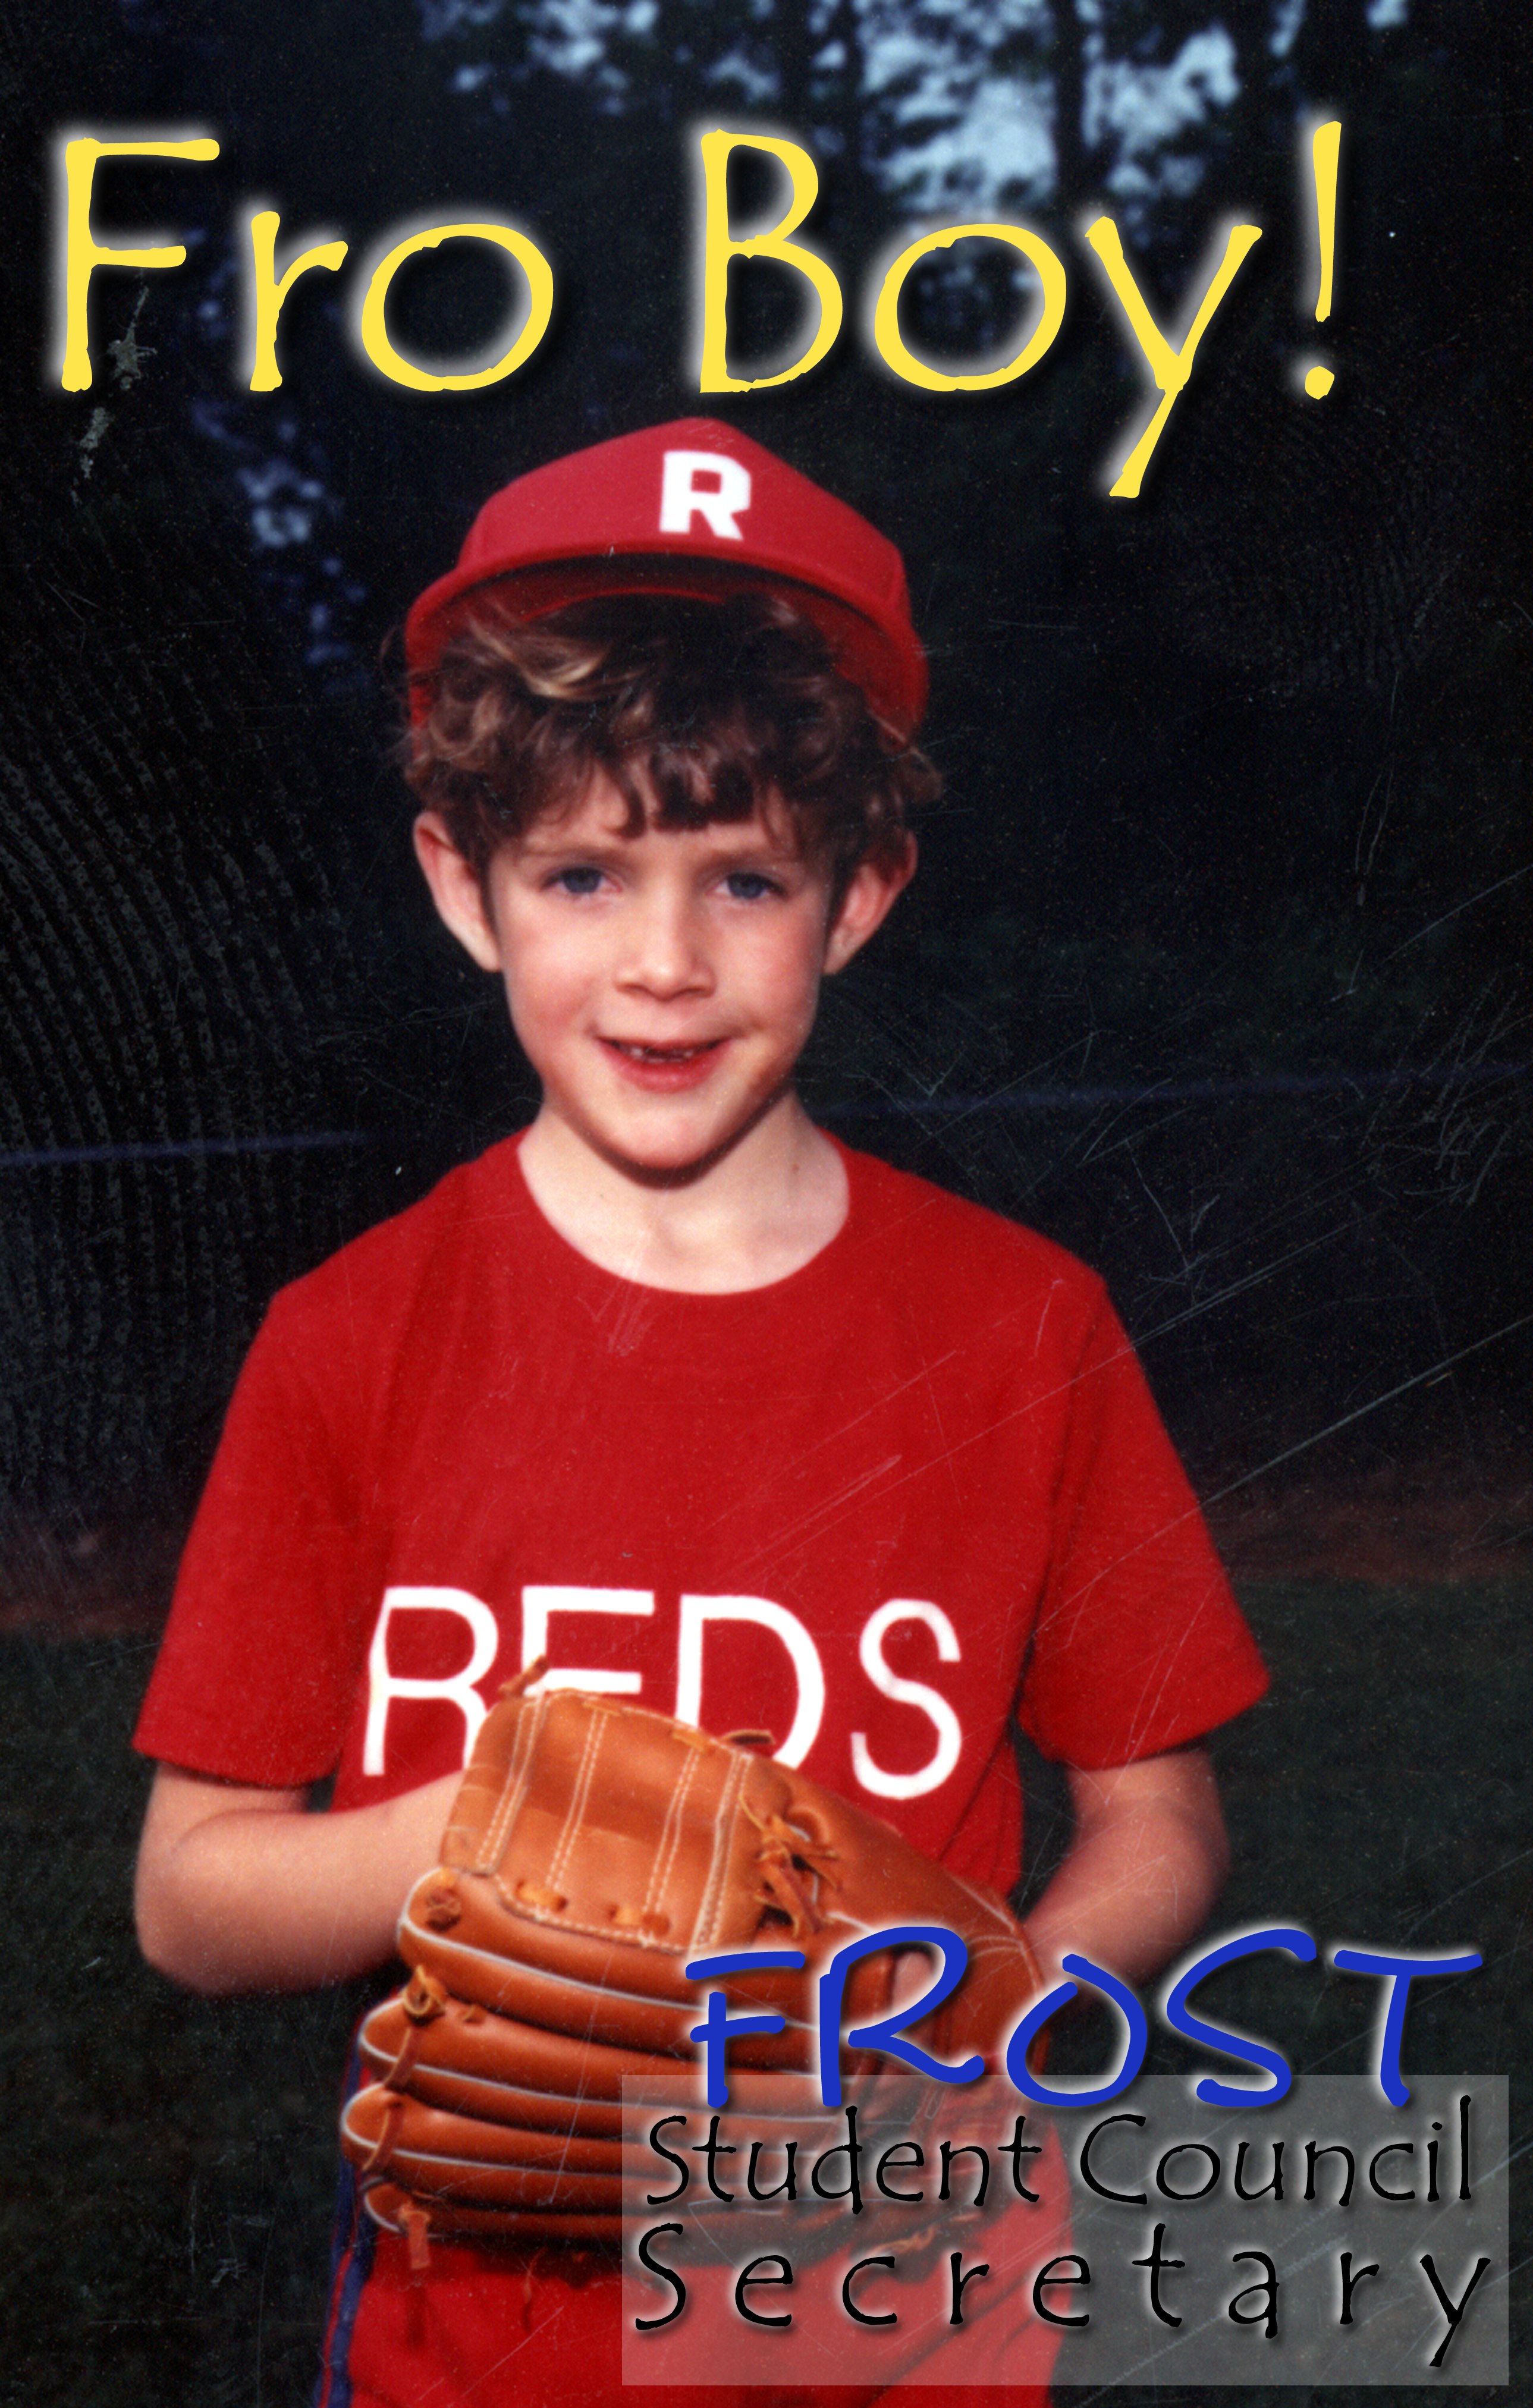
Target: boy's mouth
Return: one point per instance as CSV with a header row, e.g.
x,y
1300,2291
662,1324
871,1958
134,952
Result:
x,y
664,1069
663,1055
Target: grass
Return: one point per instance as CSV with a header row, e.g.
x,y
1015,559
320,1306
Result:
x,y
167,2162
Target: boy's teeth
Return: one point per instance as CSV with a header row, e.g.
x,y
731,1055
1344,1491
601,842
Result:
x,y
662,1053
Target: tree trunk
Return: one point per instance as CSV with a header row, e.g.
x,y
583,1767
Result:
x,y
1072,161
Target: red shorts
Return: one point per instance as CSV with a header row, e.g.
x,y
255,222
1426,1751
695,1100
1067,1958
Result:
x,y
493,2328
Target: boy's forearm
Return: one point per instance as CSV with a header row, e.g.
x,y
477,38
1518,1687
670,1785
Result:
x,y
242,1890
1148,1861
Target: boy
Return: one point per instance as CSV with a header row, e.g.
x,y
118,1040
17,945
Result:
x,y
673,1389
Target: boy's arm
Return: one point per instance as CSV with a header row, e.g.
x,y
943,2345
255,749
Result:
x,y
243,1889
1148,1859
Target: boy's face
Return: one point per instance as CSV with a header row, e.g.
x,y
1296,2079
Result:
x,y
663,986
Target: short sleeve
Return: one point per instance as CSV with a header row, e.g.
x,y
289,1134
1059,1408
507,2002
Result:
x,y
260,1658
1138,1645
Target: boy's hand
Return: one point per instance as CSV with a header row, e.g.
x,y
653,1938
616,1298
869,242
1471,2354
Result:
x,y
243,1889
1147,1862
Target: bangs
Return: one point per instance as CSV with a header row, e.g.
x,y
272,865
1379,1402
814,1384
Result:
x,y
697,711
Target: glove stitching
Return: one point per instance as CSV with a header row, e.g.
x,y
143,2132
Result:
x,y
513,1788
670,1839
579,1797
705,1929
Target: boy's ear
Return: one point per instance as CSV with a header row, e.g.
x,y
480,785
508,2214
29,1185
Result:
x,y
875,888
456,891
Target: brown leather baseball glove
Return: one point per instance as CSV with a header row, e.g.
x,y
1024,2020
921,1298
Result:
x,y
595,1850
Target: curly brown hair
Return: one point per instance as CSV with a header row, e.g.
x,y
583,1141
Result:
x,y
697,711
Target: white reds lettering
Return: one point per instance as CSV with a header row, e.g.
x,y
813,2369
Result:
x,y
537,1604
458,1690
541,1603
949,1739
682,498
811,1707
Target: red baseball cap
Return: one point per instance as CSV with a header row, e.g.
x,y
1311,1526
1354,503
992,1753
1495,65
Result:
x,y
694,509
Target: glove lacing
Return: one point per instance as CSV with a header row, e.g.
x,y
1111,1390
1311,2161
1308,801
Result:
x,y
785,1855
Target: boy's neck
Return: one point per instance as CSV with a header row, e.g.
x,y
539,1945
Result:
x,y
749,1218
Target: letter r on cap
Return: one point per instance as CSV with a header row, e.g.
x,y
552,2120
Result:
x,y
682,498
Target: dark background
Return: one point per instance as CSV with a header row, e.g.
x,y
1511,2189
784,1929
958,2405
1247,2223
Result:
x,y
1216,968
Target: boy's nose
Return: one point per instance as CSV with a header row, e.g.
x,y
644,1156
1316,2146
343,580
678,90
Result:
x,y
666,955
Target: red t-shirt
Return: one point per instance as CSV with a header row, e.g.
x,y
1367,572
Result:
x,y
875,1509
872,1509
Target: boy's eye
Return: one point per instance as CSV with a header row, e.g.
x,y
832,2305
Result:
x,y
580,880
749,886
